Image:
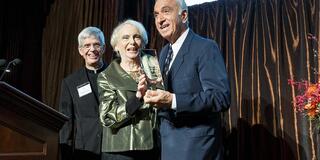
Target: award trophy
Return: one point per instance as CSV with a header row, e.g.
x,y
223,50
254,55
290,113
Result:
x,y
150,65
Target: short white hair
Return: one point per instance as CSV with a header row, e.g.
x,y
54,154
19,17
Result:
x,y
182,6
89,32
116,31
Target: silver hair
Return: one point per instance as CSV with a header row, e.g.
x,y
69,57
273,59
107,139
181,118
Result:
x,y
88,32
115,34
182,6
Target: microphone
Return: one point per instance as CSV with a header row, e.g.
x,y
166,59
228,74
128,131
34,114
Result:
x,y
13,62
2,62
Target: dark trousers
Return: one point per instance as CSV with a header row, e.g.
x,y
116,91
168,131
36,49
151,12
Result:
x,y
66,153
131,155
85,155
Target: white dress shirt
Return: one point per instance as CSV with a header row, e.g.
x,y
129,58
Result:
x,y
175,49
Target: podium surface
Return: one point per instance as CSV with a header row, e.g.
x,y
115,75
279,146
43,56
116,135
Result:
x,y
29,129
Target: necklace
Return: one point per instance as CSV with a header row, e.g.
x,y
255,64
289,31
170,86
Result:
x,y
133,70
135,74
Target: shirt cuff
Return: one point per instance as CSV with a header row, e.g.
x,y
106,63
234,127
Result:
x,y
174,102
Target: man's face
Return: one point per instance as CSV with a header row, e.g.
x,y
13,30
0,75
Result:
x,y
168,21
91,51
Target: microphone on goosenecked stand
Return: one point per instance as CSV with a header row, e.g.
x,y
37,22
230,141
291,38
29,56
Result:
x,y
13,62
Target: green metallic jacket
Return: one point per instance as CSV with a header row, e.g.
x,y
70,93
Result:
x,y
122,131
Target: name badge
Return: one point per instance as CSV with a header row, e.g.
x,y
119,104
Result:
x,y
84,89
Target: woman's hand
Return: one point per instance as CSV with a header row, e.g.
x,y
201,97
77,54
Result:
x,y
142,86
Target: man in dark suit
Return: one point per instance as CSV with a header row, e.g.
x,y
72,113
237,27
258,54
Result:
x,y
80,137
197,88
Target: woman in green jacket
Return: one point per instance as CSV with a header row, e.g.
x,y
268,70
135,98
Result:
x,y
128,122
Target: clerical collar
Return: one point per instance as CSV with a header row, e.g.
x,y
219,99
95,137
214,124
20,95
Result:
x,y
97,71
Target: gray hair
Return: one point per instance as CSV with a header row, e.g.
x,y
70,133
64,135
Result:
x,y
182,6
88,32
115,34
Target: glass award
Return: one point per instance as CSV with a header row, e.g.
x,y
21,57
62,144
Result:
x,y
150,65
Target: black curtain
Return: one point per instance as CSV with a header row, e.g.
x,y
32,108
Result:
x,y
21,25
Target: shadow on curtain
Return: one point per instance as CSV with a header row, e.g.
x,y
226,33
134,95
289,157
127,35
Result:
x,y
264,44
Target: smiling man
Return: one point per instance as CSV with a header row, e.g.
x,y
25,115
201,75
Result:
x,y
80,137
197,88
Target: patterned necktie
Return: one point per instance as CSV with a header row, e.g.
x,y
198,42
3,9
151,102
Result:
x,y
167,62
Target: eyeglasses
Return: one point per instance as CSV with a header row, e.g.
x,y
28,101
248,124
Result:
x,y
95,46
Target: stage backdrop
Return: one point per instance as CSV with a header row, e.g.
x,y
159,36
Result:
x,y
264,43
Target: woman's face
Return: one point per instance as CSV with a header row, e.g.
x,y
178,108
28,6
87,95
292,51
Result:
x,y
129,42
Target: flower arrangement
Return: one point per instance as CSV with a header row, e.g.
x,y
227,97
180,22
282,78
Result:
x,y
308,99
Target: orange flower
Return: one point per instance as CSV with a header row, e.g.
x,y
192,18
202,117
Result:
x,y
309,106
312,89
312,113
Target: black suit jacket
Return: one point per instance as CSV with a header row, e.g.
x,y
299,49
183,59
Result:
x,y
83,130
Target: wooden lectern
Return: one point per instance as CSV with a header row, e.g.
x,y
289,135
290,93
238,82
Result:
x,y
29,129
